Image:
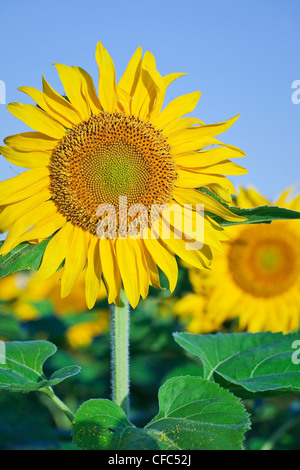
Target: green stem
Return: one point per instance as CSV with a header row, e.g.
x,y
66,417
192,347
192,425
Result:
x,y
60,404
120,353
281,431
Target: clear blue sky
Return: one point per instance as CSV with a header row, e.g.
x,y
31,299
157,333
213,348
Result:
x,y
242,55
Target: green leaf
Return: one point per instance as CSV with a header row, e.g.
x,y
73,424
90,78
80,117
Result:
x,y
21,366
193,414
258,215
197,414
102,425
99,424
263,214
25,256
246,362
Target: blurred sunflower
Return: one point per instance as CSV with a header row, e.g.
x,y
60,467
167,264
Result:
x,y
82,334
256,279
89,150
191,311
24,296
24,301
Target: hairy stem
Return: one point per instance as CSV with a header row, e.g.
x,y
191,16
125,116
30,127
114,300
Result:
x,y
120,353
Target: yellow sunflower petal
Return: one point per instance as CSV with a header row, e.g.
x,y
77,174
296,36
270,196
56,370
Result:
x,y
89,91
282,199
123,100
183,224
218,230
152,268
256,198
72,83
55,253
214,129
143,273
171,77
37,119
130,77
181,142
20,182
243,199
164,260
160,93
223,193
51,107
44,229
75,262
177,108
12,212
207,157
190,179
224,168
93,273
61,105
147,88
188,304
193,257
38,97
29,141
24,222
180,124
26,159
107,79
110,268
28,191
129,270
192,196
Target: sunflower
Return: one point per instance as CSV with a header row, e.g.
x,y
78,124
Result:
x,y
90,151
257,278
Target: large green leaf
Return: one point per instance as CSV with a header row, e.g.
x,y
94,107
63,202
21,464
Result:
x,y
193,414
246,362
21,366
25,256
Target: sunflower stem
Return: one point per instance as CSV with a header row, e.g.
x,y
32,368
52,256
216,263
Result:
x,y
120,353
60,404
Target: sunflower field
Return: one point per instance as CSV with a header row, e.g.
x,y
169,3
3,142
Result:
x,y
148,301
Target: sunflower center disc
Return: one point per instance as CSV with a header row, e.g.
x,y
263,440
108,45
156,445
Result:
x,y
264,262
107,157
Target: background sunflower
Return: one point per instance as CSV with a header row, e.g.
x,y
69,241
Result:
x,y
256,280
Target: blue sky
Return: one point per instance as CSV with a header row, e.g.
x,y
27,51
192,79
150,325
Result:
x,y
242,55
